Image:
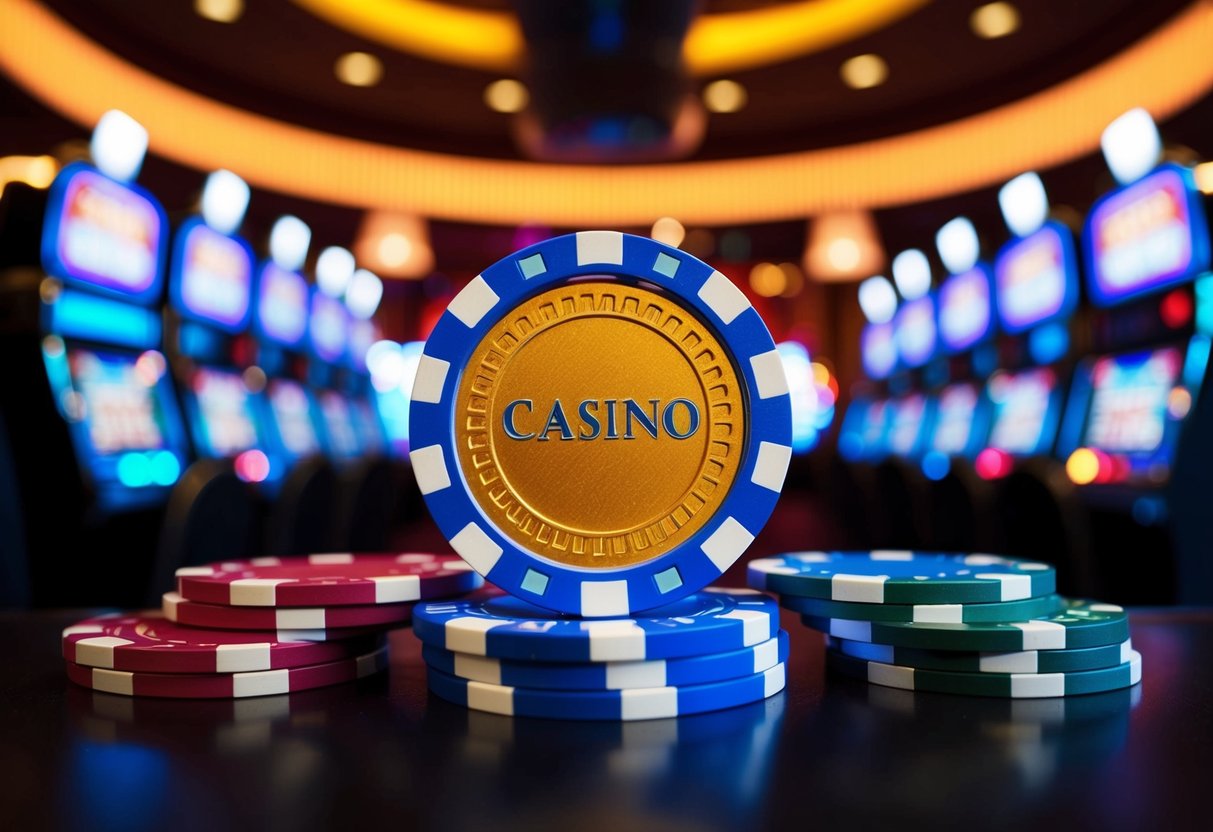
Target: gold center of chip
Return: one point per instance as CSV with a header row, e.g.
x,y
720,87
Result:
x,y
600,424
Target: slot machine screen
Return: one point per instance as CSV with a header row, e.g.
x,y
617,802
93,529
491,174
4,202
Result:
x,y
212,276
965,314
1036,278
328,326
915,331
956,420
862,433
369,429
282,306
1146,236
227,413
339,425
292,409
1137,402
906,424
124,417
104,234
878,350
1026,409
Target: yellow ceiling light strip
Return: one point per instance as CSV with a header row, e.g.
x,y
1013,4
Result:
x,y
1165,72
717,43
476,38
733,41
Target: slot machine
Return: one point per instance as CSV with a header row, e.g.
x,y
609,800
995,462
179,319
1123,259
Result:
x,y
1136,437
98,441
303,515
960,504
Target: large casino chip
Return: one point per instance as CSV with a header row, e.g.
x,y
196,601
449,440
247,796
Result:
x,y
600,424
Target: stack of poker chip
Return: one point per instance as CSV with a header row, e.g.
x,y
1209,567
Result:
x,y
711,650
965,624
264,626
601,424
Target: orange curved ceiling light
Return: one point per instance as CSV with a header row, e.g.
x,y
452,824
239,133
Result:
x,y
716,43
1164,72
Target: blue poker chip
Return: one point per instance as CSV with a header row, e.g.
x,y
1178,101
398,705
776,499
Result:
x,y
449,471
620,705
707,622
902,577
655,673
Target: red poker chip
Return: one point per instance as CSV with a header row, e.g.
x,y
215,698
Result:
x,y
147,642
312,619
227,685
328,580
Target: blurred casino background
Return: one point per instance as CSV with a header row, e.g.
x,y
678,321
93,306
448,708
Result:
x,y
979,232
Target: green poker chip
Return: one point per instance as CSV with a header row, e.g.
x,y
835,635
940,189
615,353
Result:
x,y
1030,661
1008,685
902,577
927,613
1079,624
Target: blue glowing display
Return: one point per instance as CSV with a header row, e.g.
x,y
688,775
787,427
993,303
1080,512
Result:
x,y
281,311
1146,236
961,417
211,276
1026,409
878,350
103,234
966,316
915,330
328,325
1036,278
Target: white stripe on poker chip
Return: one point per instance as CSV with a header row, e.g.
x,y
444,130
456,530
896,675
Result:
x,y
113,681
495,699
725,545
168,605
1042,635
1105,608
477,668
615,641
891,675
627,675
756,625
1037,686
599,247
473,302
1134,667
774,680
255,592
771,467
853,630
648,703
429,469
99,651
475,546
469,634
865,589
77,629
769,374
724,298
600,599
1126,651
302,635
888,554
264,683
330,558
430,379
303,618
392,589
242,658
938,614
1023,662
1014,587
199,571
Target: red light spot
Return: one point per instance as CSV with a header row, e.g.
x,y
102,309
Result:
x,y
992,464
1176,309
252,466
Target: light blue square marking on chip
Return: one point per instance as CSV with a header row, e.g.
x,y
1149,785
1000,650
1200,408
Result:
x,y
668,580
535,582
665,264
532,266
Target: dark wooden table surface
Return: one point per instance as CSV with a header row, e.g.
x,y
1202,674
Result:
x,y
828,752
